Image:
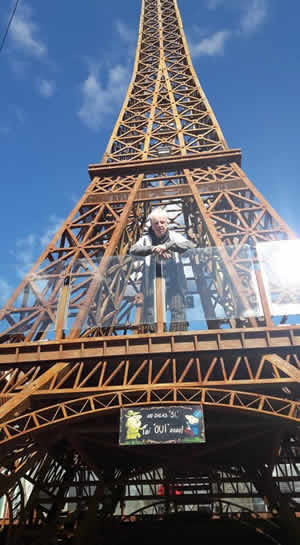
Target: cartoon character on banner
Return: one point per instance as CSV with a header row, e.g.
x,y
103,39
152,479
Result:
x,y
194,423
133,425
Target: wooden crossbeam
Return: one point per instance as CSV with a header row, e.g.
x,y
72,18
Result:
x,y
20,402
283,365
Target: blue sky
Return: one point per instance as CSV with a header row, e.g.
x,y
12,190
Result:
x,y
65,69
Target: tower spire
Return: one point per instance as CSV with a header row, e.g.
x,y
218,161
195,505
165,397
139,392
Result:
x,y
165,112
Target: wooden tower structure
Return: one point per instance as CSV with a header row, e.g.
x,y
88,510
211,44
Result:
x,y
75,346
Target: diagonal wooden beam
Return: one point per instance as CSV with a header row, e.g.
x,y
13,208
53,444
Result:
x,y
20,402
283,365
120,226
8,481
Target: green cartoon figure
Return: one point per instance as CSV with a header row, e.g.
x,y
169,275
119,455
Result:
x,y
133,425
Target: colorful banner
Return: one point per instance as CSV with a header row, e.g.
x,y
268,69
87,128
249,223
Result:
x,y
164,424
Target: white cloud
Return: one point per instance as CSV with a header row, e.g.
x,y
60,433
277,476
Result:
x,y
19,67
24,33
213,4
19,115
5,291
100,99
211,45
74,197
254,15
46,87
15,117
29,247
25,253
251,15
5,130
54,224
126,33
103,91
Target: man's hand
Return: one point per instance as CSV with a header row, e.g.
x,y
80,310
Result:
x,y
161,252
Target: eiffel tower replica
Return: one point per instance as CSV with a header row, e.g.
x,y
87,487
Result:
x,y
77,350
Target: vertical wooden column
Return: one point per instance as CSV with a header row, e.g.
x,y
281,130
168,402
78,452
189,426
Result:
x,y
160,303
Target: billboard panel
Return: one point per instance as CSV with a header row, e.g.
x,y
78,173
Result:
x,y
164,424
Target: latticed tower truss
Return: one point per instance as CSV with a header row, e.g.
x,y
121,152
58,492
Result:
x,y
76,346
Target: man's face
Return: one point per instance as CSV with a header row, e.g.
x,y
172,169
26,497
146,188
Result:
x,y
159,225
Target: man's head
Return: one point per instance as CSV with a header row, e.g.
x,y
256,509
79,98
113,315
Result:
x,y
159,222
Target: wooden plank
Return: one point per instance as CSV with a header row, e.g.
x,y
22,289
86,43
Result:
x,y
21,402
283,365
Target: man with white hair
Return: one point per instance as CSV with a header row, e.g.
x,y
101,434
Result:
x,y
160,240
163,243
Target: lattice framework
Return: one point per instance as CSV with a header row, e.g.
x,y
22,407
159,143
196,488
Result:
x,y
168,150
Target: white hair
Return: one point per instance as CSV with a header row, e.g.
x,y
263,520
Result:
x,y
158,213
